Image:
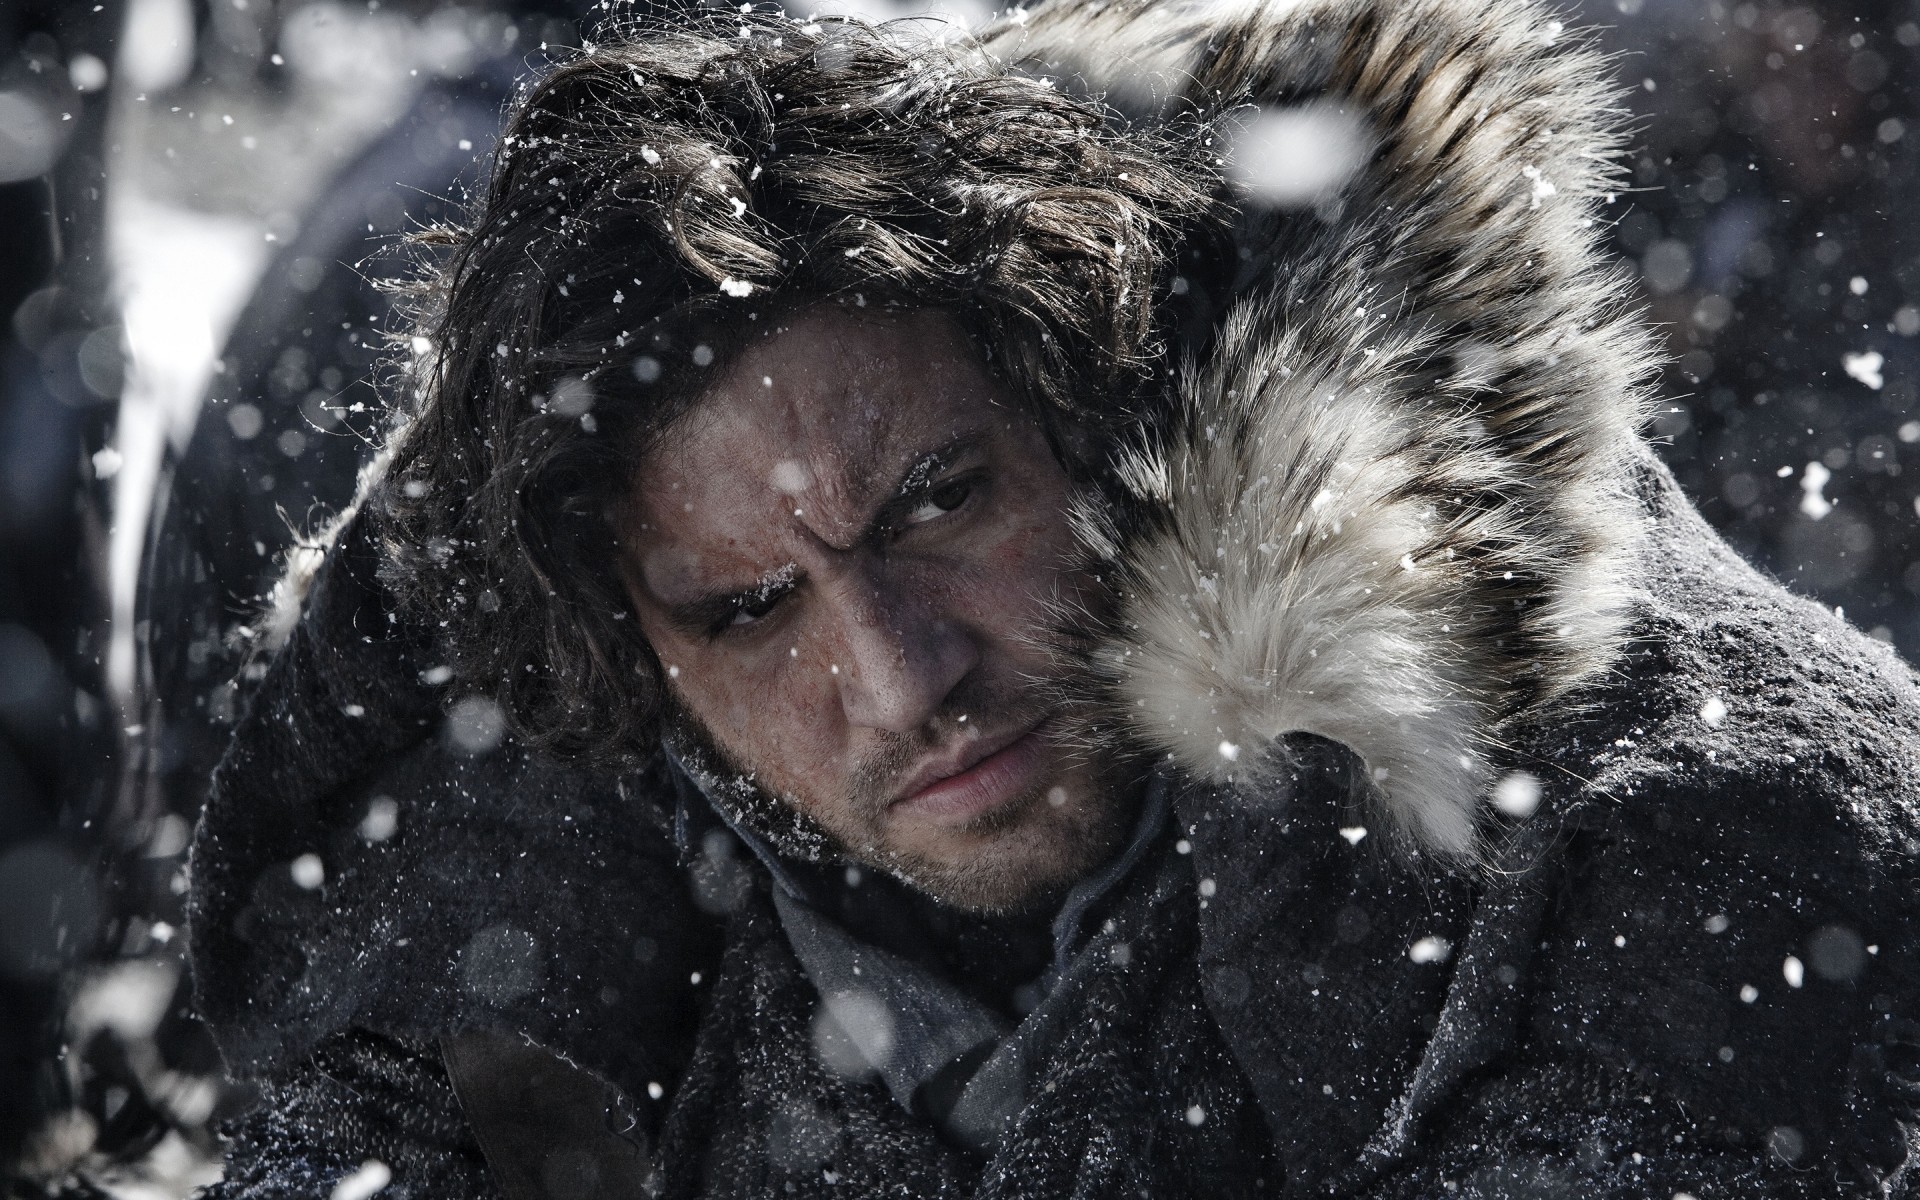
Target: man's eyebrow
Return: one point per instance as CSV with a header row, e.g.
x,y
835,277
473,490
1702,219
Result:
x,y
919,474
702,613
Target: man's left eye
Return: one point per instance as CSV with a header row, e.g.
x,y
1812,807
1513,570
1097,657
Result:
x,y
940,501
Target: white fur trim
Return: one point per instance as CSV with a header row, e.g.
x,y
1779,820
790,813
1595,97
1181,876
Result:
x,y
1395,514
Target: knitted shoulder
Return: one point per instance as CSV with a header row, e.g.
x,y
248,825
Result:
x,y
439,892
358,1096
1743,715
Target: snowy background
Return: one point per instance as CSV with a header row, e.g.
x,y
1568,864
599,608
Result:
x,y
259,156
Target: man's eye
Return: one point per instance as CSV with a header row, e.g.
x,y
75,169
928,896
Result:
x,y
940,501
751,608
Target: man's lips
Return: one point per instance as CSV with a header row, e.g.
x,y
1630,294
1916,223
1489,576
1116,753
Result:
x,y
983,775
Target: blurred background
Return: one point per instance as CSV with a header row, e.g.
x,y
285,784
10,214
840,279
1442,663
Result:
x,y
200,198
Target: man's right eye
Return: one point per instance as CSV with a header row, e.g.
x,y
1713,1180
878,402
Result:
x,y
749,610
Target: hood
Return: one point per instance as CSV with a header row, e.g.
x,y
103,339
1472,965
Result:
x,y
1394,507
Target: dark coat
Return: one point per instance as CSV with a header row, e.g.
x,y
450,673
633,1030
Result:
x,y
1402,551
1588,1035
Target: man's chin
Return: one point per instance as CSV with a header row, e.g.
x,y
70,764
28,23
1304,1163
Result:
x,y
1022,856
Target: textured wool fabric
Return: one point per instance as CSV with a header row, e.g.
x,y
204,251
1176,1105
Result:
x,y
454,885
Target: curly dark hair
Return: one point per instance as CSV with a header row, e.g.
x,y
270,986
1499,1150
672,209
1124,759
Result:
x,y
657,200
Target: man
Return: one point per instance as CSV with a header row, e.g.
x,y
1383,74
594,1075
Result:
x,y
922,635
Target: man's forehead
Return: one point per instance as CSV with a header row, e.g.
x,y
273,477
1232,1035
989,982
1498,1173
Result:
x,y
855,378
813,391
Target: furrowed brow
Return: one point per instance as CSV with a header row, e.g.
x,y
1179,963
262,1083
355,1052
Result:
x,y
699,615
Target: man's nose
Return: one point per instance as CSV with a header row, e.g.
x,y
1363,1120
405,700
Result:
x,y
902,659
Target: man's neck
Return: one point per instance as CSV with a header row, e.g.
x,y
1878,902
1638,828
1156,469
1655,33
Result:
x,y
1002,960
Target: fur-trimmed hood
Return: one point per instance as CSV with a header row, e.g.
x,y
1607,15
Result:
x,y
1394,509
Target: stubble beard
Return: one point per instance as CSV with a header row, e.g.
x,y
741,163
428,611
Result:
x,y
1031,850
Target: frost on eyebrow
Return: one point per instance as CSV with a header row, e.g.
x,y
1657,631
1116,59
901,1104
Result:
x,y
777,580
702,613
922,472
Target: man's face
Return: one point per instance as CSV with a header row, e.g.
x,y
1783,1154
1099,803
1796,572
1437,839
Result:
x,y
848,557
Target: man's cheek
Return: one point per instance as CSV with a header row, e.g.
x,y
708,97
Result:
x,y
724,707
784,733
1005,580
733,694
1021,597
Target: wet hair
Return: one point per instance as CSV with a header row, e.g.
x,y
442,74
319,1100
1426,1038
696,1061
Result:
x,y
657,200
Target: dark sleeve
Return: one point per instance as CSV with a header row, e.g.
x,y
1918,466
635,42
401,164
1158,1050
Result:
x,y
1562,1128
360,1098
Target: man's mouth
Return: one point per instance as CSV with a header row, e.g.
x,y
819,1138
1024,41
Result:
x,y
975,779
